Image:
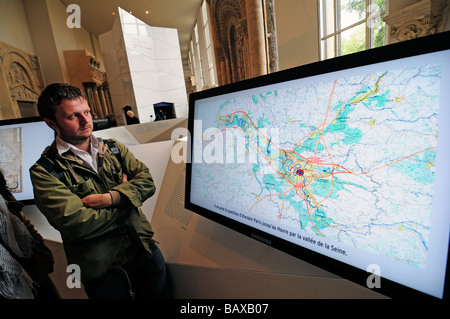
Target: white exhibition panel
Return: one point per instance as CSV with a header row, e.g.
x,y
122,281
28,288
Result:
x,y
155,156
144,67
156,68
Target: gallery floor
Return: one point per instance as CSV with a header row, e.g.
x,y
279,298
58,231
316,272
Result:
x,y
60,274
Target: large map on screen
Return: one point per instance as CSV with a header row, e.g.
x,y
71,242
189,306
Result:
x,y
348,159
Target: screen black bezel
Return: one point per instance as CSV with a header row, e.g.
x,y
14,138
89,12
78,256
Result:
x,y
429,44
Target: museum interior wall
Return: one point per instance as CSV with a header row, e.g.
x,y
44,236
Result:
x,y
38,28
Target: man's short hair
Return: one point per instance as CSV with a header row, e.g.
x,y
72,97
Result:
x,y
53,95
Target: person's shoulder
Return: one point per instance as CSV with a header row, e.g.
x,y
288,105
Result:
x,y
115,142
48,155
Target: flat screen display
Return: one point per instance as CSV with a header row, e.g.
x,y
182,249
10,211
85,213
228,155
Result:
x,y
22,141
343,163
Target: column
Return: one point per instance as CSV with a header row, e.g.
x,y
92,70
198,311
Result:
x,y
108,99
90,97
272,42
97,103
256,37
102,98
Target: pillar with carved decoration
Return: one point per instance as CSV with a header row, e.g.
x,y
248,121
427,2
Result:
x,y
420,19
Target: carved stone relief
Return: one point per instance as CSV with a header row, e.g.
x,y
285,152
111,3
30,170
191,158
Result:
x,y
228,17
20,80
418,20
234,52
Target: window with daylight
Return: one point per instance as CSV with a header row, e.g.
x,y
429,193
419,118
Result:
x,y
348,26
199,74
201,54
208,43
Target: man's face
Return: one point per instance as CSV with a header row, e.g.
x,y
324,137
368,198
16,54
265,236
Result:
x,y
73,121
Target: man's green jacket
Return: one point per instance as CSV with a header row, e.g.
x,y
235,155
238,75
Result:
x,y
95,239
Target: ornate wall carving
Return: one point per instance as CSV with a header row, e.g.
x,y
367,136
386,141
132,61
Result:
x,y
230,35
21,82
418,20
244,47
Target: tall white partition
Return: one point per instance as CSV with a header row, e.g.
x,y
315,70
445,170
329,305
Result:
x,y
144,67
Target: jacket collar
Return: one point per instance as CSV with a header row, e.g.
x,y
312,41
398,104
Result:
x,y
52,152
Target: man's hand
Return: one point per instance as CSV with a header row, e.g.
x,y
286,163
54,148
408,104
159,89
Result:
x,y
100,200
97,201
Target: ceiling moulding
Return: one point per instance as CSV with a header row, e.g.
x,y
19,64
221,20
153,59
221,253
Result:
x,y
418,20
